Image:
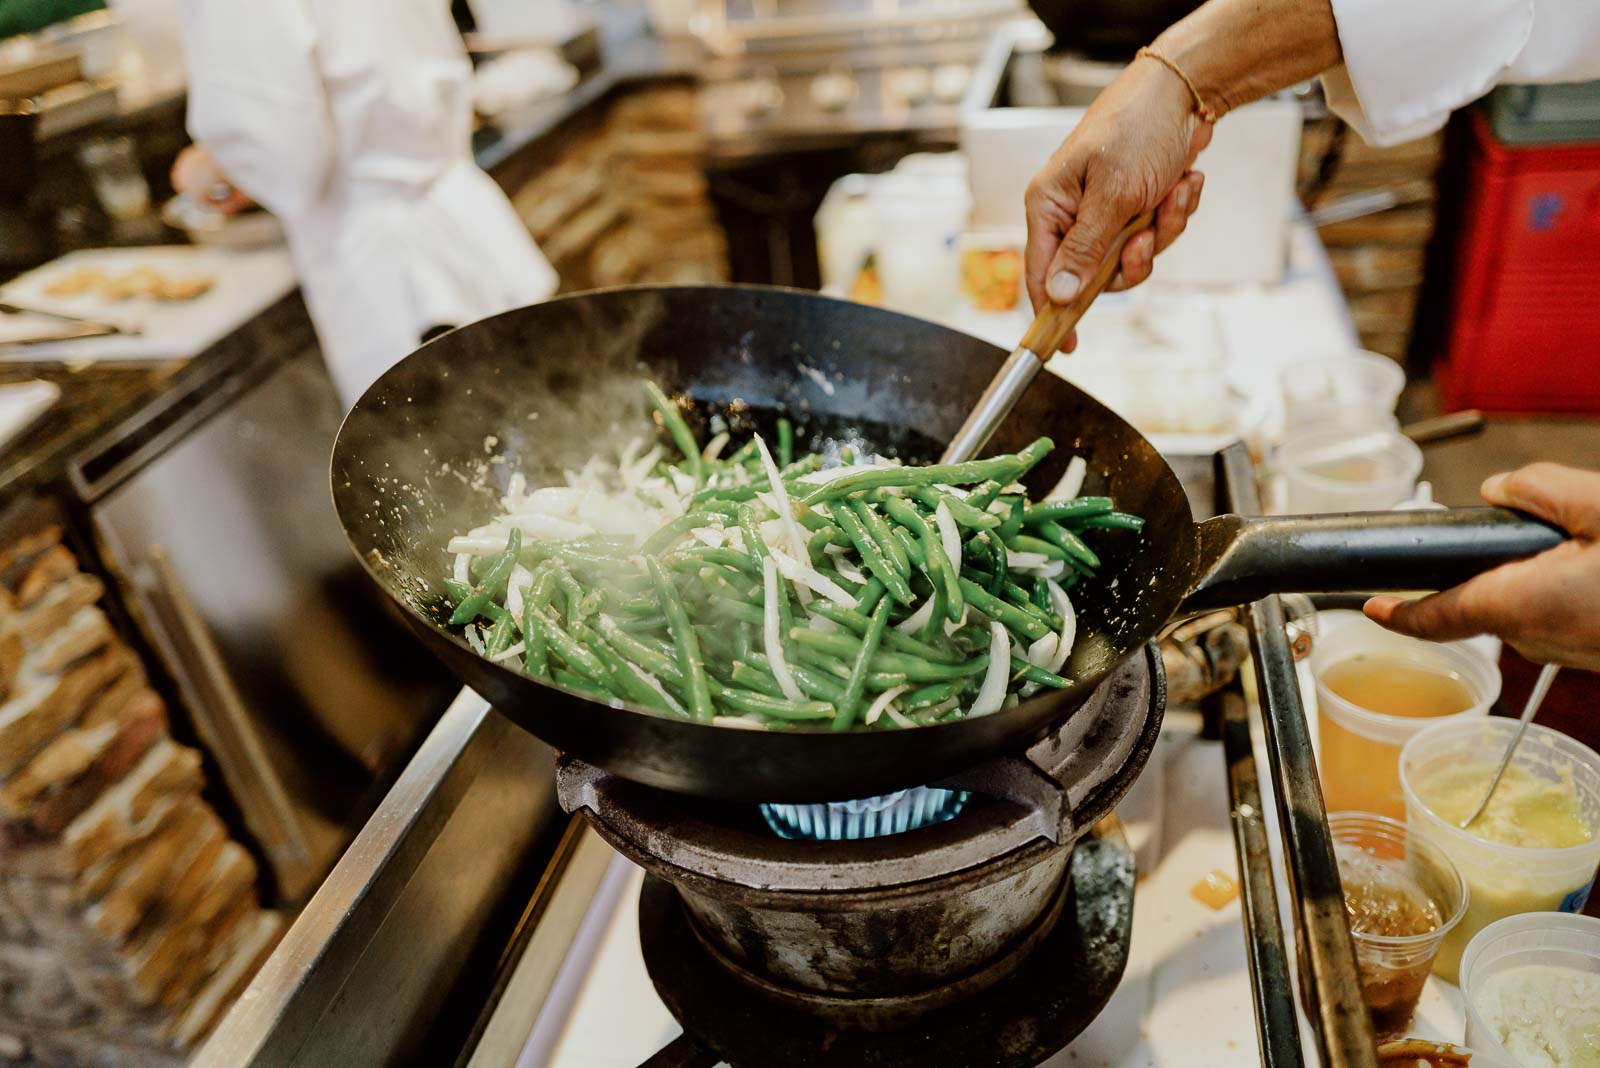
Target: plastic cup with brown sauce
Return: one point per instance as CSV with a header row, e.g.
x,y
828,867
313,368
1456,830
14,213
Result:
x,y
1402,896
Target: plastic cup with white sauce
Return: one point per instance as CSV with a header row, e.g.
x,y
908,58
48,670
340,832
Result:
x,y
1532,988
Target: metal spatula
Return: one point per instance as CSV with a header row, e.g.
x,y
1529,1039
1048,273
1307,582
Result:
x,y
1547,675
1047,334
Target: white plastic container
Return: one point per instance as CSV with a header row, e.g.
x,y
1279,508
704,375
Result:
x,y
1547,938
920,217
1358,750
1504,880
1340,389
1342,470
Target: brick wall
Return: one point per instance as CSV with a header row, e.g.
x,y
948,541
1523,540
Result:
x,y
128,917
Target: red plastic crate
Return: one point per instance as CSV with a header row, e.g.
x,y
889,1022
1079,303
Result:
x,y
1524,331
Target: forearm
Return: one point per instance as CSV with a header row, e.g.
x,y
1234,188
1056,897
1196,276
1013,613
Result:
x,y
1238,51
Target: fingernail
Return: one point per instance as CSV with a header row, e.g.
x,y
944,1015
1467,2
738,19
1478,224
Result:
x,y
1494,487
1063,286
1183,196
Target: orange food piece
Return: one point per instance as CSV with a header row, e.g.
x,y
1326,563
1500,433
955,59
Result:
x,y
1216,889
992,278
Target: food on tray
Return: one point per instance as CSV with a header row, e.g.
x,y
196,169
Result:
x,y
1215,890
1545,1015
757,588
992,277
140,282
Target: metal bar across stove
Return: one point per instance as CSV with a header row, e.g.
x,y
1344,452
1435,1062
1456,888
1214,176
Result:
x,y
1277,1024
1330,984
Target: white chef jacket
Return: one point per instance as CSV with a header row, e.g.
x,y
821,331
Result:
x,y
351,121
1409,63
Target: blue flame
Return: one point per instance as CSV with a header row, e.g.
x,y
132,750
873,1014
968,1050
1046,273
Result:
x,y
869,817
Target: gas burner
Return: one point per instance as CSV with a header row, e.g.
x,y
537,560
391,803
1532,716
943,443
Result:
x,y
873,934
1049,998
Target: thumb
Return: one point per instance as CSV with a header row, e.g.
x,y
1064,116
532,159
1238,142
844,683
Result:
x,y
1566,496
1084,247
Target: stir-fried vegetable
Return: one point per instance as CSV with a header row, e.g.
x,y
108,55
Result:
x,y
759,589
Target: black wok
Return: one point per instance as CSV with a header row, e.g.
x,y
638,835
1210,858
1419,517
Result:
x,y
427,451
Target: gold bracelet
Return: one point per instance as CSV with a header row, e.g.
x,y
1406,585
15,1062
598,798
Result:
x,y
1205,111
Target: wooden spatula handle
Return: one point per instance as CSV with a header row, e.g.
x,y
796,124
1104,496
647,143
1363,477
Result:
x,y
1055,321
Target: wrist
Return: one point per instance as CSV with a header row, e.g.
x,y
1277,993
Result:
x,y
1185,46
1179,87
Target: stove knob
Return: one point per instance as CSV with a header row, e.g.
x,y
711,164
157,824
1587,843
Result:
x,y
950,81
834,90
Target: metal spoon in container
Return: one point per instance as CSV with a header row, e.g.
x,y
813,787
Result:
x,y
1547,675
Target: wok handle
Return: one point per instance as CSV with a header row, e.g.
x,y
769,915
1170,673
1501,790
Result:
x,y
1047,334
1245,559
1055,321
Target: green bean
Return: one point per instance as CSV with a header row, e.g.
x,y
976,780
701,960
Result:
x,y
1056,511
858,622
744,454
1018,619
743,611
873,555
675,529
941,571
457,591
785,442
846,647
500,636
962,512
644,623
850,703
777,707
493,586
672,419
817,544
1115,521
984,494
652,660
575,653
928,696
878,527
683,636
811,681
1024,543
753,678
729,494
911,547
697,556
940,612
1021,669
643,605
573,681
1011,525
1070,543
990,544
1006,468
623,673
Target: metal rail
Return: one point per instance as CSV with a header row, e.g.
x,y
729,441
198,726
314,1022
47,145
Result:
x,y
1330,985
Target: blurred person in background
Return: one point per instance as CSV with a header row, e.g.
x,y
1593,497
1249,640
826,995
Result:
x,y
1394,71
351,121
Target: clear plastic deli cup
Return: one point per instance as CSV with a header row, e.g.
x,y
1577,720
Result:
x,y
1335,388
1347,469
1536,847
1402,896
1377,690
1532,988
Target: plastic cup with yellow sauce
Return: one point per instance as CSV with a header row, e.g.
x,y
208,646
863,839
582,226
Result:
x,y
1536,847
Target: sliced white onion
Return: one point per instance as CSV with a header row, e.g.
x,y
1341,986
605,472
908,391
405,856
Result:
x,y
950,627
1025,561
1054,569
885,699
708,536
832,474
520,578
508,653
849,570
462,573
1071,483
918,619
749,723
949,534
715,446
639,470
780,496
1043,651
661,691
772,637
900,719
955,491
1062,604
474,639
804,576
995,677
